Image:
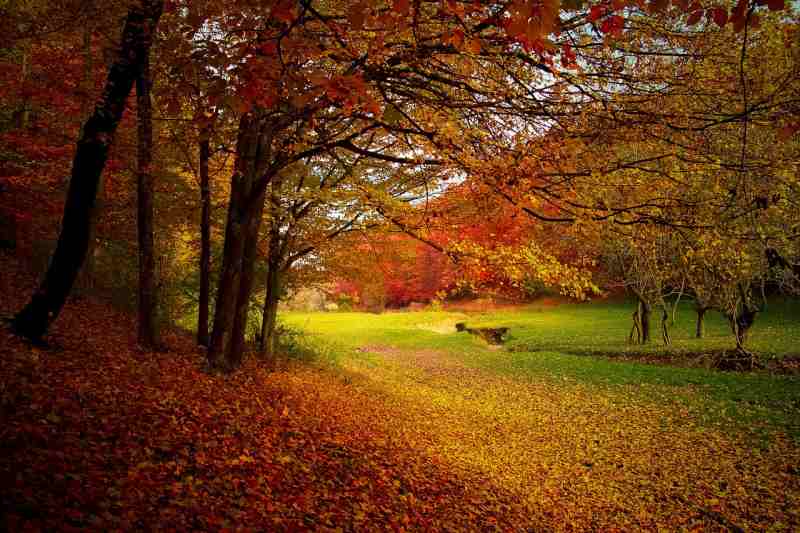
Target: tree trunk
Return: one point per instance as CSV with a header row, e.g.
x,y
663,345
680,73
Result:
x,y
665,326
205,240
271,297
148,301
741,322
644,318
23,114
236,347
700,325
252,150
90,158
86,277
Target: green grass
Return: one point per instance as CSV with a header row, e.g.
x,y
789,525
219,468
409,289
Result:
x,y
552,343
602,329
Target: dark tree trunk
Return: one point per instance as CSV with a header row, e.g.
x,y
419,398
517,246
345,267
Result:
x,y
148,300
205,241
635,336
700,324
741,322
665,327
24,112
236,347
86,277
90,158
271,297
252,151
644,317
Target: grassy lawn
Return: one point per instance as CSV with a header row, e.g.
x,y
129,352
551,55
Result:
x,y
551,344
585,442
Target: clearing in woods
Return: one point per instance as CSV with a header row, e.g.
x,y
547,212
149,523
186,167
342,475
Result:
x,y
582,442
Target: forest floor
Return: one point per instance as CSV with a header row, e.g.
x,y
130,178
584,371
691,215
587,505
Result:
x,y
400,428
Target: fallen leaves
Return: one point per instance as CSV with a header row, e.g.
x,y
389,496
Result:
x,y
97,435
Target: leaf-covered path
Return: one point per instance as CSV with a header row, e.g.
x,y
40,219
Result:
x,y
96,434
579,457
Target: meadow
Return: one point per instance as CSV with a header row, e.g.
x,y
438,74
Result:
x,y
586,344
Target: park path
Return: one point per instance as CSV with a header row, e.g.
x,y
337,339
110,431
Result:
x,y
581,457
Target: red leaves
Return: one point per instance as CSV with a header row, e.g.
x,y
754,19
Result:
x,y
567,56
613,25
718,14
739,15
695,17
773,5
658,6
284,11
788,130
402,7
595,12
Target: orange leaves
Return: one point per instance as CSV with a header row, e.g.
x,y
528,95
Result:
x,y
357,14
284,11
787,131
529,21
403,7
348,91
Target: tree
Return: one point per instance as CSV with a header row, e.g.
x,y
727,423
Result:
x,y
148,300
90,157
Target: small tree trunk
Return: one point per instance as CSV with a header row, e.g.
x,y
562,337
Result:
x,y
664,327
148,334
205,241
700,329
271,297
741,322
268,338
90,158
635,336
644,317
24,113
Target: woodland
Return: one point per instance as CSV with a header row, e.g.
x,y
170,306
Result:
x,y
175,176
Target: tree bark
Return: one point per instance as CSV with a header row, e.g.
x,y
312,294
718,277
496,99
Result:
x,y
250,253
271,297
205,240
253,152
665,326
86,281
46,303
644,318
23,114
741,322
148,300
635,336
700,324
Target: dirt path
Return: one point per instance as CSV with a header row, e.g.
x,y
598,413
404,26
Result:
x,y
580,457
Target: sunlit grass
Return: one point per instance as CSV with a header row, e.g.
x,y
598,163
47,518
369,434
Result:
x,y
552,344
